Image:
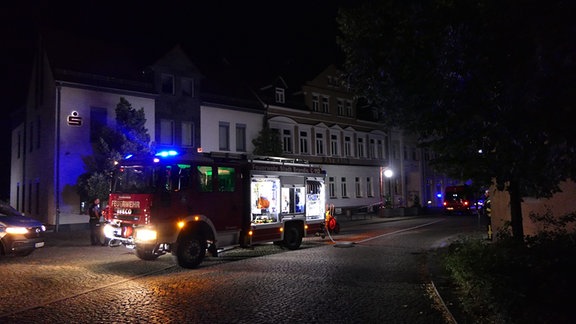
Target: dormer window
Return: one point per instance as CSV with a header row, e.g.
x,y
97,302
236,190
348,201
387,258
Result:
x,y
167,83
280,95
187,87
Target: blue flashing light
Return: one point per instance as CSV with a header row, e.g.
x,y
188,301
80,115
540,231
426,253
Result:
x,y
439,195
167,153
128,156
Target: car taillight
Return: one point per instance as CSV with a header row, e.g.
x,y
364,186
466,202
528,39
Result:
x,y
465,202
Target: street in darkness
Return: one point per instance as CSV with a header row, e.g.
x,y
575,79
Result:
x,y
375,271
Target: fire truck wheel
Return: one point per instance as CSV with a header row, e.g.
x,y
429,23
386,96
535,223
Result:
x,y
146,253
292,238
191,251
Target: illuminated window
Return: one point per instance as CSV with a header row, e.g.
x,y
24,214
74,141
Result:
x,y
205,178
226,180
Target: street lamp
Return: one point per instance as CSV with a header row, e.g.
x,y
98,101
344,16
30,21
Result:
x,y
388,173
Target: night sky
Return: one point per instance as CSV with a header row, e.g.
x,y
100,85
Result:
x,y
256,34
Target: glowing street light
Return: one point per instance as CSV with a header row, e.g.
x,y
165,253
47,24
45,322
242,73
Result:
x,y
388,173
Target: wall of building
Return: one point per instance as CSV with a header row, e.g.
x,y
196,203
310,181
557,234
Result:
x,y
562,203
210,119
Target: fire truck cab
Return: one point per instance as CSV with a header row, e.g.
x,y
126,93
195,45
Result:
x,y
196,203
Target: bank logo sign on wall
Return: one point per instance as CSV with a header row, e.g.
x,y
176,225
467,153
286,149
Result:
x,y
74,119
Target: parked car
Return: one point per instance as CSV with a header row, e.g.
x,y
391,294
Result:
x,y
459,200
19,235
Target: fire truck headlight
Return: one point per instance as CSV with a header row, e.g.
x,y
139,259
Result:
x,y
145,235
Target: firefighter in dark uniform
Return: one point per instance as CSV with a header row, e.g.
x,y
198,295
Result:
x,y
95,230
488,214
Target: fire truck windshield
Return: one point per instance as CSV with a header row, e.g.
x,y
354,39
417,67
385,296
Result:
x,y
133,179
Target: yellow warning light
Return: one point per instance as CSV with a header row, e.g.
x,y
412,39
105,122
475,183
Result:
x,y
196,218
281,229
250,233
181,224
306,226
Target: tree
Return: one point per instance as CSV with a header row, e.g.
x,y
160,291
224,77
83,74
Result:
x,y
129,136
487,85
267,143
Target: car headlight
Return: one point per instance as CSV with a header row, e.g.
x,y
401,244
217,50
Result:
x,y
16,230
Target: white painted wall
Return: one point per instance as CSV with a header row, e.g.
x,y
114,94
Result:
x,y
210,118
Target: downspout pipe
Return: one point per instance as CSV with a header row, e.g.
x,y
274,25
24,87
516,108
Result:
x,y
57,159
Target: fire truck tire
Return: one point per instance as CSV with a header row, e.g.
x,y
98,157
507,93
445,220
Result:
x,y
191,251
292,237
146,253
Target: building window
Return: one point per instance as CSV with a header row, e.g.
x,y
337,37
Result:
x,y
334,145
414,154
187,133
331,187
166,132
347,146
280,95
240,138
167,83
187,87
369,187
224,136
287,141
340,105
325,104
380,149
319,144
344,187
358,187
372,149
360,147
315,102
303,142
348,108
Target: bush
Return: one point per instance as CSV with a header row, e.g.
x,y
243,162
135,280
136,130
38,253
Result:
x,y
516,282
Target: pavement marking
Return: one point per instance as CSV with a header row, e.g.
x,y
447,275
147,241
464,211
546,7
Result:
x,y
399,231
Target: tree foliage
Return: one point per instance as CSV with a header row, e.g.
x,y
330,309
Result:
x,y
129,136
487,85
267,143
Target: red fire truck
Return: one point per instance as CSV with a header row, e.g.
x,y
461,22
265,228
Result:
x,y
196,203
